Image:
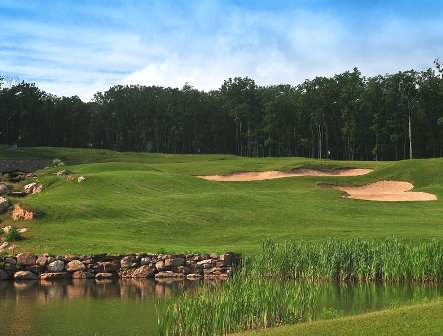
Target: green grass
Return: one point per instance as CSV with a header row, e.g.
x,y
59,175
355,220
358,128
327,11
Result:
x,y
133,202
420,319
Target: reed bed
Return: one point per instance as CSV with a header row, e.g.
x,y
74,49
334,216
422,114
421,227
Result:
x,y
241,303
276,286
389,260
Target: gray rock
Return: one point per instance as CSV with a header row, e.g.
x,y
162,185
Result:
x,y
4,204
25,275
56,266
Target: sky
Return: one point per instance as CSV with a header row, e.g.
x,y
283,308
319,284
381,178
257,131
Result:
x,y
80,47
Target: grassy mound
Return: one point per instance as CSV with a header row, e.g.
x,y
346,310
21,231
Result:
x,y
133,202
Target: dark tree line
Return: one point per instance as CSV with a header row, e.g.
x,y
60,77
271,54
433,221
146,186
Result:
x,y
390,117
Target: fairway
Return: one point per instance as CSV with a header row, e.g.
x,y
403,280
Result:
x,y
132,202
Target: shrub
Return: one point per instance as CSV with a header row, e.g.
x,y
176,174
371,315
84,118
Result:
x,y
57,163
13,235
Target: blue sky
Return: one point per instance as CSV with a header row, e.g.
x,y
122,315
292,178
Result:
x,y
81,47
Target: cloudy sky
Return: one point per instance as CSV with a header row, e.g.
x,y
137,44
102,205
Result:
x,y
81,47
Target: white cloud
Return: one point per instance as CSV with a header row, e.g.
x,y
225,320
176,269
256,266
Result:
x,y
168,45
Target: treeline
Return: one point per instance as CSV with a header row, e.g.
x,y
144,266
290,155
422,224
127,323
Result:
x,y
347,116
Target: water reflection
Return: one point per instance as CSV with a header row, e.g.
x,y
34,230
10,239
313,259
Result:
x,y
127,306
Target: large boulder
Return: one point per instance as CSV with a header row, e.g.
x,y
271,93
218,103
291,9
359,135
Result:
x,y
144,272
20,214
25,275
42,260
4,204
75,265
56,266
26,259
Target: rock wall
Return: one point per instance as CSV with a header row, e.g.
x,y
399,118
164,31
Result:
x,y
27,266
29,165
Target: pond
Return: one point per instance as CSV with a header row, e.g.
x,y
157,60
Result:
x,y
128,306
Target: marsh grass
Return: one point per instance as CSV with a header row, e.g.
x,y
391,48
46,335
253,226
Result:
x,y
242,303
389,260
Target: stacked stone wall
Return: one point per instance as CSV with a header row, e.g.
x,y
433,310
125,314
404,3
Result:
x,y
27,266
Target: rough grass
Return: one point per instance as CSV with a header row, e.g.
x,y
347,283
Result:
x,y
133,202
421,319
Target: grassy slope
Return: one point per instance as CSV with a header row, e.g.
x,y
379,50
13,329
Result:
x,y
147,202
422,319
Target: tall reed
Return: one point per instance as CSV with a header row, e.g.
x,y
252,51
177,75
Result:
x,y
240,304
389,259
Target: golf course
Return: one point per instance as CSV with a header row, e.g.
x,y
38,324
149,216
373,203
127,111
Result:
x,y
133,202
295,218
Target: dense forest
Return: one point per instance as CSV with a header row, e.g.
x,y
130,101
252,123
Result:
x,y
348,116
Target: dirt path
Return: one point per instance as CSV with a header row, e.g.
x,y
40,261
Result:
x,y
387,191
274,174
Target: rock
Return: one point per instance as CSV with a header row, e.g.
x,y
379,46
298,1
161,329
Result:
x,y
144,272
10,260
20,214
63,172
23,230
145,261
194,276
4,204
174,262
101,276
75,265
38,189
28,189
26,259
3,275
213,256
168,274
41,260
69,178
160,265
4,189
206,262
6,229
81,179
106,266
83,275
128,262
55,276
56,266
25,275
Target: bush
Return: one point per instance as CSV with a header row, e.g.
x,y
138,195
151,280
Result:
x,y
13,235
57,163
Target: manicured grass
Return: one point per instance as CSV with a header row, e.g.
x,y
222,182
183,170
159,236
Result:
x,y
421,319
133,202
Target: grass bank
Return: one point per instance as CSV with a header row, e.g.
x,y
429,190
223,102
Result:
x,y
421,319
133,202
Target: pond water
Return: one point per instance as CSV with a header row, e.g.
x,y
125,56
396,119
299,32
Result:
x,y
127,306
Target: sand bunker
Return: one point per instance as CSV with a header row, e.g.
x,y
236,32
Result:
x,y
387,191
273,174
